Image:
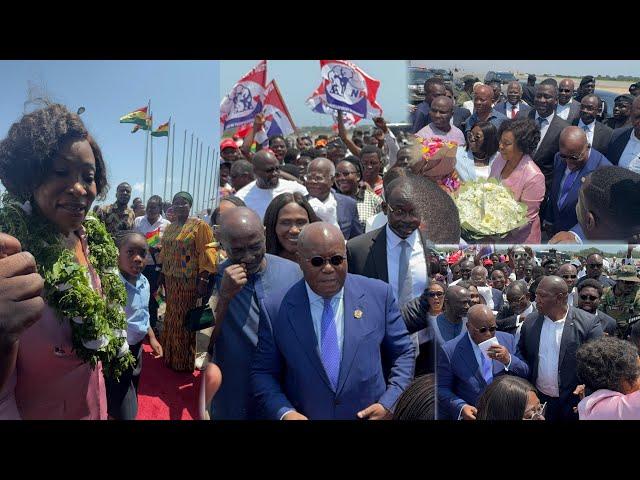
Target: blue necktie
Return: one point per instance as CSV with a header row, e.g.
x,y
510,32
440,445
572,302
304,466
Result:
x,y
487,369
330,351
405,290
566,186
541,121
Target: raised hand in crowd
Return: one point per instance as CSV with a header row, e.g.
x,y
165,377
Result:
x,y
21,303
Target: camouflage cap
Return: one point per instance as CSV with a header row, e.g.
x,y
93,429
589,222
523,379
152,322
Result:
x,y
627,273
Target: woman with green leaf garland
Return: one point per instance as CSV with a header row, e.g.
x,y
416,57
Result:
x,y
53,170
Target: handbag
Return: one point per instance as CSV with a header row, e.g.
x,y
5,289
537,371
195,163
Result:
x,y
199,318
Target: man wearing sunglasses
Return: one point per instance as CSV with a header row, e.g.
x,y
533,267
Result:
x,y
570,276
549,338
593,268
320,356
589,297
464,370
622,301
574,161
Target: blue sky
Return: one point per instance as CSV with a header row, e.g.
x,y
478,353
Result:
x,y
185,90
539,67
297,79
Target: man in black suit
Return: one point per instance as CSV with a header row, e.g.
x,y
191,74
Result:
x,y
587,87
568,109
589,296
395,253
598,135
545,102
624,147
529,90
548,342
513,107
519,306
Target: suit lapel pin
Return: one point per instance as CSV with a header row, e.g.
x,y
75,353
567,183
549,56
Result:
x,y
357,313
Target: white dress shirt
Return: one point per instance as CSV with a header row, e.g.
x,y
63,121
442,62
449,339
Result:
x,y
549,356
630,157
589,130
545,126
417,264
563,110
508,109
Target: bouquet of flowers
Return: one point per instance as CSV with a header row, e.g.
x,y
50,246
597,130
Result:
x,y
438,162
488,209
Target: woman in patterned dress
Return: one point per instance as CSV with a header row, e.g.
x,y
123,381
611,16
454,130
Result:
x,y
188,258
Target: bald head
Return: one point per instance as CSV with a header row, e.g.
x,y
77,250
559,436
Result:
x,y
573,137
479,276
265,169
516,85
239,221
262,157
319,234
567,83
479,314
481,322
442,102
553,285
484,89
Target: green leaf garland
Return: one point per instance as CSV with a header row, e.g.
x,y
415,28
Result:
x,y
98,324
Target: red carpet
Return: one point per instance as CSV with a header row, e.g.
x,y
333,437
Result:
x,y
164,394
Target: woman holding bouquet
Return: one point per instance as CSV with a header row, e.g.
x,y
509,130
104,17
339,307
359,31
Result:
x,y
53,170
515,168
474,161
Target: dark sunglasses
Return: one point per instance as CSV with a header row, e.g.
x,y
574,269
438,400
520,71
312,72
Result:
x,y
588,297
435,294
594,265
569,276
336,261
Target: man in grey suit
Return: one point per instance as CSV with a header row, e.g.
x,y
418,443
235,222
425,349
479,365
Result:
x,y
513,107
548,342
597,133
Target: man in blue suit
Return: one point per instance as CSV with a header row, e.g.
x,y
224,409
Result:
x,y
463,371
330,206
513,107
321,355
571,164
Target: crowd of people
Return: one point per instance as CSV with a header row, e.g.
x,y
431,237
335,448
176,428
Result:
x,y
321,266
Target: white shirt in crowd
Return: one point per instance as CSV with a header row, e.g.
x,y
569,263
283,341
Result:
x,y
375,222
549,355
468,105
258,199
142,225
417,264
630,157
520,320
589,130
544,127
563,110
487,294
327,210
509,110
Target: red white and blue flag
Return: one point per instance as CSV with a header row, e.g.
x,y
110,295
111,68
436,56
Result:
x,y
318,103
245,100
348,88
278,120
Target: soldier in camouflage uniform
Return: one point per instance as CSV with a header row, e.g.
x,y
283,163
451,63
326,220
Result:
x,y
622,301
118,216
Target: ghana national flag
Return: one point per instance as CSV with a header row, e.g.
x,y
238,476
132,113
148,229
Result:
x,y
147,126
162,131
153,237
138,116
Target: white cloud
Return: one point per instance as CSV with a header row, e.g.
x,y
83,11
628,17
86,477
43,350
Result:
x,y
138,187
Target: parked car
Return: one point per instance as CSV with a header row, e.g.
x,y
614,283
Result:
x,y
502,77
417,77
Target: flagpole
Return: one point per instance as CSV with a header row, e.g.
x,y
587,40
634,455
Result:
x,y
184,150
173,151
198,189
146,151
205,192
210,186
216,179
195,166
166,162
151,161
189,172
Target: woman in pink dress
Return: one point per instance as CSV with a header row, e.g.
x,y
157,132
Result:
x,y
49,159
515,168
